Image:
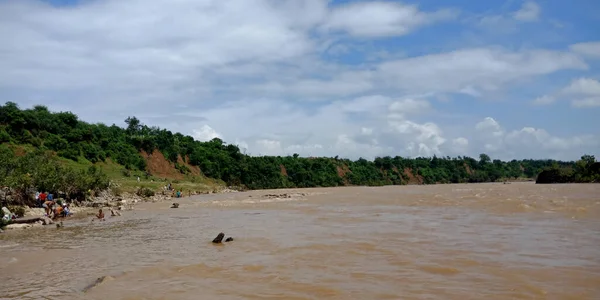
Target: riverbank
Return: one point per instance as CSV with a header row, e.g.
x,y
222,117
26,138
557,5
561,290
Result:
x,y
107,201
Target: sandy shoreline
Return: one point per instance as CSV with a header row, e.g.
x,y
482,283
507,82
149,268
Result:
x,y
106,201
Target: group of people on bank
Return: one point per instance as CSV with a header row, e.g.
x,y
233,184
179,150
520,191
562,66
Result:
x,y
174,193
52,208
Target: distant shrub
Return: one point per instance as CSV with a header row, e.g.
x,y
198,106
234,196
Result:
x,y
145,192
4,136
117,191
183,169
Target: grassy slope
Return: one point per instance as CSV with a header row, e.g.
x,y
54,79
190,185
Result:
x,y
193,183
162,172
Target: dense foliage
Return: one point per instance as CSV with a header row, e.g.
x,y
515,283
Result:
x,y
584,170
71,138
42,171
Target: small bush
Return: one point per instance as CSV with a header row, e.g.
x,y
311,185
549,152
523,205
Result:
x,y
145,192
183,169
117,191
4,136
19,211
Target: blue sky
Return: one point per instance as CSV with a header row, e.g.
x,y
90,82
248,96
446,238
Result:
x,y
514,79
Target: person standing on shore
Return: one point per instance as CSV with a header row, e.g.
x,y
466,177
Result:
x,y
42,198
48,207
67,209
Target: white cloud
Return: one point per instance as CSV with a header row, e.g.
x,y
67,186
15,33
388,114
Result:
x,y
133,45
530,142
490,125
508,23
400,108
583,86
582,92
205,133
366,104
544,100
586,102
382,18
530,11
590,49
424,139
474,71
461,141
268,147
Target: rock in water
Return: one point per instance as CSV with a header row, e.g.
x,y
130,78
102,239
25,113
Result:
x,y
219,238
175,205
47,221
18,226
229,239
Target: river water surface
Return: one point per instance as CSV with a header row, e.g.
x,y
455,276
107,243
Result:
x,y
467,241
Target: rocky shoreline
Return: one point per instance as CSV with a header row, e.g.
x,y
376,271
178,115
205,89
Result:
x,y
104,200
114,204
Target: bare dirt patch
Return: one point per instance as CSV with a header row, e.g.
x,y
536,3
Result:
x,y
412,179
283,170
159,166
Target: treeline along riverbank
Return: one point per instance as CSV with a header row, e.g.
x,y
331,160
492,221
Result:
x,y
36,142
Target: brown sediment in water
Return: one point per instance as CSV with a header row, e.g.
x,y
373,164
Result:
x,y
464,241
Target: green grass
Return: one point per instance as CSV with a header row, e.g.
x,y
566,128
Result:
x,y
116,173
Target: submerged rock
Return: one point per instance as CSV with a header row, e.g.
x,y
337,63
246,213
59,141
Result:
x,y
175,205
18,226
229,239
47,221
98,282
219,238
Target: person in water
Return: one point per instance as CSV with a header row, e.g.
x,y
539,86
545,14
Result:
x,y
100,215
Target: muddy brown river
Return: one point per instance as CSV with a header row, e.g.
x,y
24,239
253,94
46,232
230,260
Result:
x,y
464,241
